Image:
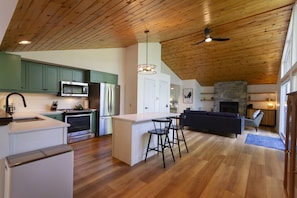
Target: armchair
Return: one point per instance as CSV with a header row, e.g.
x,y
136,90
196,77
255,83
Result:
x,y
255,120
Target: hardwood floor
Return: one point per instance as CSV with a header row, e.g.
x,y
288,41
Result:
x,y
215,166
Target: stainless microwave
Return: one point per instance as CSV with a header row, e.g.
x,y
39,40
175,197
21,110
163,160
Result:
x,y
76,89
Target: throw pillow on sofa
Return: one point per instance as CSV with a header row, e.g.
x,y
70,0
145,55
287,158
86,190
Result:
x,y
256,113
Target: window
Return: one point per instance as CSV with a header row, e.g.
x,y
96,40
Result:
x,y
287,57
288,70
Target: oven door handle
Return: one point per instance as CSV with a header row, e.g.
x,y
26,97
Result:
x,y
77,115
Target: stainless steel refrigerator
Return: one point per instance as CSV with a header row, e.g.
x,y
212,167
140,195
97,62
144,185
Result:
x,y
105,98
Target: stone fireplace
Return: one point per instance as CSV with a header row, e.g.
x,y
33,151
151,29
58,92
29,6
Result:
x,y
232,95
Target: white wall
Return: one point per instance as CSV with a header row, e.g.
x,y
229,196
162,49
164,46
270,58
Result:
x,y
130,89
196,105
6,11
173,77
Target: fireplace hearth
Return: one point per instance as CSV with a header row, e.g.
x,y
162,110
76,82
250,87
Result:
x,y
231,107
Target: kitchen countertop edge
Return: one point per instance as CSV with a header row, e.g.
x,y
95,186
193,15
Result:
x,y
142,117
44,124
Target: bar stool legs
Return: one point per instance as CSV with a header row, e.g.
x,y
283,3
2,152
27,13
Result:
x,y
160,143
176,140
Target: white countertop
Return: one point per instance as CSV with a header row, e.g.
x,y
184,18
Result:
x,y
141,117
59,112
28,126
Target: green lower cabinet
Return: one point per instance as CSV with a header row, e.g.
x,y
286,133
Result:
x,y
10,72
57,116
101,77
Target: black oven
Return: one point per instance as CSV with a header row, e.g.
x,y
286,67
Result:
x,y
80,125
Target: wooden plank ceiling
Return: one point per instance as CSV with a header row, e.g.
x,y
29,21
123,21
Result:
x,y
256,28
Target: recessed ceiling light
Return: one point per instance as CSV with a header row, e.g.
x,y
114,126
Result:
x,y
24,42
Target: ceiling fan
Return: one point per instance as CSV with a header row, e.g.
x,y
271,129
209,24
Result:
x,y
208,38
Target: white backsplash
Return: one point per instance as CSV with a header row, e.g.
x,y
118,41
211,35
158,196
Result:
x,y
39,102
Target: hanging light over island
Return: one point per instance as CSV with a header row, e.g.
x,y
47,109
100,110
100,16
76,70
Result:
x,y
147,68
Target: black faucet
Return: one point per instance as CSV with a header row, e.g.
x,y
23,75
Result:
x,y
6,105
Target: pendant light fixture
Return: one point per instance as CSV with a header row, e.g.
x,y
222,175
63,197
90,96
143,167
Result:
x,y
147,68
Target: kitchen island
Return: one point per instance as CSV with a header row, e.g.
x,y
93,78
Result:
x,y
130,137
27,132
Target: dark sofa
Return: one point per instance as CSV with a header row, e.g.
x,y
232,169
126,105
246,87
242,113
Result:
x,y
222,123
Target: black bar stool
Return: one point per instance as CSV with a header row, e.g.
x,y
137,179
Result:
x,y
161,130
176,126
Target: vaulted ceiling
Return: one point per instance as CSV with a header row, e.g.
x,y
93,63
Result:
x,y
257,30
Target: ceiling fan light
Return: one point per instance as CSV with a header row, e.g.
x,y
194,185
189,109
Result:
x,y
208,39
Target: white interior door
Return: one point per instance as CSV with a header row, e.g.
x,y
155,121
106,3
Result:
x,y
164,96
149,95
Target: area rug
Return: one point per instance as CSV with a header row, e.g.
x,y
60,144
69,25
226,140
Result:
x,y
265,141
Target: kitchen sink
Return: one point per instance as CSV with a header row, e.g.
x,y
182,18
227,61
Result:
x,y
27,119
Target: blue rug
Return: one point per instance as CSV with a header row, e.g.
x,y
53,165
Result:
x,y
265,141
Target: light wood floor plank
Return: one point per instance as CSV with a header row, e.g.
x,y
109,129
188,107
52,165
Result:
x,y
218,182
256,186
238,181
216,166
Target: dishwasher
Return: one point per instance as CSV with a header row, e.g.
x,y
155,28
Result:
x,y
45,173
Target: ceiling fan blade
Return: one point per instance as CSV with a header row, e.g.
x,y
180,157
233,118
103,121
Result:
x,y
198,42
220,39
208,38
